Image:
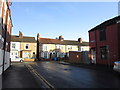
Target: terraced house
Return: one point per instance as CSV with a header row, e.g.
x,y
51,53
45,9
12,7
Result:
x,y
48,48
23,47
5,32
105,42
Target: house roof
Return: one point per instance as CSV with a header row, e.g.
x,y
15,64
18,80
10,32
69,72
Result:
x,y
15,38
64,42
106,23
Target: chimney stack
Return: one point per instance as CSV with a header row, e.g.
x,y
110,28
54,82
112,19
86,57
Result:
x,y
38,37
80,40
20,34
61,38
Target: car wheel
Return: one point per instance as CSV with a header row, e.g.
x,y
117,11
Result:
x,y
21,60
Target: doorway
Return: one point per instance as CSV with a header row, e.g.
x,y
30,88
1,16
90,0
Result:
x,y
93,55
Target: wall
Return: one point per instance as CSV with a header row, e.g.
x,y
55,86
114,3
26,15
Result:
x,y
74,48
7,60
49,47
75,57
84,48
63,48
5,32
31,47
1,60
14,51
17,46
111,41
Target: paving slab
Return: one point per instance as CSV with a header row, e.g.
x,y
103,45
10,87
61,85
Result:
x,y
18,76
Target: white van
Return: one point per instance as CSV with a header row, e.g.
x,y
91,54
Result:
x,y
17,59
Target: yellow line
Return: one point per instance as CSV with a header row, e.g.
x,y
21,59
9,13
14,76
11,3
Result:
x,y
40,76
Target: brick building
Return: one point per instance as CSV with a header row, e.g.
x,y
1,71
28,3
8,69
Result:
x,y
104,41
23,47
48,48
5,32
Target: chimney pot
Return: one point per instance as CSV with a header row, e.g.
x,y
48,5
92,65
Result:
x,y
20,34
80,40
61,38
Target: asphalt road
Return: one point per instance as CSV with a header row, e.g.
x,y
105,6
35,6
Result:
x,y
49,74
66,76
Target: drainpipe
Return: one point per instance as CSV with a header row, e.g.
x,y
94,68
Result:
x,y
96,46
108,56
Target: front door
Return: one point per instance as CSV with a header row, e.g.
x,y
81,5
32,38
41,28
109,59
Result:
x,y
93,55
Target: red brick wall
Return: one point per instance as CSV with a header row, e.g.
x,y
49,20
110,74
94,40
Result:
x,y
111,41
75,57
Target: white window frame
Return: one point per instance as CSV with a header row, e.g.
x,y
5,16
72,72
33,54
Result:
x,y
13,47
57,46
45,47
69,47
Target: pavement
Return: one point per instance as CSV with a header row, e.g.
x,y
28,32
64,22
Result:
x,y
18,76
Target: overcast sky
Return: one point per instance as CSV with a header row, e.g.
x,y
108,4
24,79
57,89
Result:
x,y
51,19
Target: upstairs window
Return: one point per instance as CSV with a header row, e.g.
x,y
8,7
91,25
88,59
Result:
x,y
69,47
13,45
45,48
57,46
26,46
102,33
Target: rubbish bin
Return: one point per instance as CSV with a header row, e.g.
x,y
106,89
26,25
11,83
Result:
x,y
55,59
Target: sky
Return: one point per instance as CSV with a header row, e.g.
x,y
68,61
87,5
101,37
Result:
x,y
72,20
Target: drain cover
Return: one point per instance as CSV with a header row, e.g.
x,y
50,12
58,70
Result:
x,y
67,69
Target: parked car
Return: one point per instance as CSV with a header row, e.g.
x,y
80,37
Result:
x,y
17,59
117,66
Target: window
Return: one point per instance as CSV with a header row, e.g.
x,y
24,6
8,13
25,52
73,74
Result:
x,y
33,52
57,46
102,34
26,47
45,48
82,49
103,52
69,47
13,45
15,53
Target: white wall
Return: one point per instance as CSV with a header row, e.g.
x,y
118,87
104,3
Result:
x,y
17,46
84,48
15,50
1,60
7,60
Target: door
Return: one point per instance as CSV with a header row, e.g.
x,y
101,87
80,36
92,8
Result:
x,y
93,55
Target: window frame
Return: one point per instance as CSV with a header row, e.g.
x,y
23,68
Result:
x,y
13,45
102,34
104,52
27,45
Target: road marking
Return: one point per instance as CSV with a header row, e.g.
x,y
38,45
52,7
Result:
x,y
31,69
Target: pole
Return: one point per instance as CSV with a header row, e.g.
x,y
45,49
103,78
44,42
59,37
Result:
x,y
108,56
